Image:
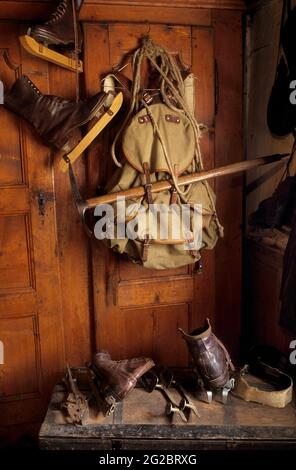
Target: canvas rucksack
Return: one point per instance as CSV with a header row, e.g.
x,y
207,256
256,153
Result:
x,y
159,140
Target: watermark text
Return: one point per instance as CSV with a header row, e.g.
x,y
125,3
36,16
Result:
x,y
174,223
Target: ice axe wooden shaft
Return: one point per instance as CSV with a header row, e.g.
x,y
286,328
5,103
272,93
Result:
x,y
185,180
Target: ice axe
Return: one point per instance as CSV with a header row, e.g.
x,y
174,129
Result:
x,y
138,192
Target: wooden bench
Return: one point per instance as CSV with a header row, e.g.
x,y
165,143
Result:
x,y
140,423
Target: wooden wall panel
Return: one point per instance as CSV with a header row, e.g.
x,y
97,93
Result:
x,y
126,274
169,290
64,305
73,245
30,308
123,39
22,375
144,330
167,321
123,10
16,265
120,286
229,149
203,67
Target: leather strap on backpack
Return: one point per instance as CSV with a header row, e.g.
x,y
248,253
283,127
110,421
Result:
x,y
147,183
173,190
145,249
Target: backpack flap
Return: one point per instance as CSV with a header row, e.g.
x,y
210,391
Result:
x,y
141,144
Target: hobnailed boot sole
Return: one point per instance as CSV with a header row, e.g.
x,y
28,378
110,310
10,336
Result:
x,y
43,36
49,39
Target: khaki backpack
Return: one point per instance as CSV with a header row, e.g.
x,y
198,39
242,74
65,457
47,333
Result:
x,y
159,140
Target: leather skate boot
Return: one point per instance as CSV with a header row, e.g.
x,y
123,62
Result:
x,y
60,28
56,120
211,360
119,377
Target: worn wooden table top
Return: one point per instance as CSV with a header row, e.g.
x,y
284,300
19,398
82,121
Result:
x,y
142,417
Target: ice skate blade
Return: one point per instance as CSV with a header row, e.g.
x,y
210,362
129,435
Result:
x,y
93,133
43,52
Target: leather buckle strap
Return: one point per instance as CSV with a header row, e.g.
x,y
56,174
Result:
x,y
147,97
190,243
144,119
146,248
148,183
174,190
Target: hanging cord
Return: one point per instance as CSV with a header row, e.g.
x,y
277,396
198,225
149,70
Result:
x,y
76,51
166,67
152,52
136,63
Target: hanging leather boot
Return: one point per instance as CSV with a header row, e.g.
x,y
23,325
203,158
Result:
x,y
55,119
211,359
61,28
119,377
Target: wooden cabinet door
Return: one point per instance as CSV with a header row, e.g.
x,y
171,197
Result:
x,y
137,310
30,309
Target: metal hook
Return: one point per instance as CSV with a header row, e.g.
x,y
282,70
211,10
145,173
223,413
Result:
x,y
149,29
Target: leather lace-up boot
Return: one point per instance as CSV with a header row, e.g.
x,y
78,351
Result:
x,y
210,356
60,28
119,377
55,119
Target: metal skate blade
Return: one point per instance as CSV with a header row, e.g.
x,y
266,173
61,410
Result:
x,y
92,133
39,49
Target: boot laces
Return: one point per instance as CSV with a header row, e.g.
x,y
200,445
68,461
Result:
x,y
59,13
33,86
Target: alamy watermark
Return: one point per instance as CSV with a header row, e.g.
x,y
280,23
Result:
x,y
293,94
173,222
292,356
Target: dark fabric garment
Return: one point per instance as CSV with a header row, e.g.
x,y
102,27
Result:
x,y
277,210
289,40
288,287
281,113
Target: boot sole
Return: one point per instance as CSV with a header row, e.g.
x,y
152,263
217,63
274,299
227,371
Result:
x,y
49,39
66,147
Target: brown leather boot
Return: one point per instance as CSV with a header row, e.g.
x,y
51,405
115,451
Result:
x,y
55,119
210,356
60,28
119,377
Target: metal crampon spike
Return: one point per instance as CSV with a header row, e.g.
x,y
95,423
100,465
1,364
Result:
x,y
209,396
226,389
